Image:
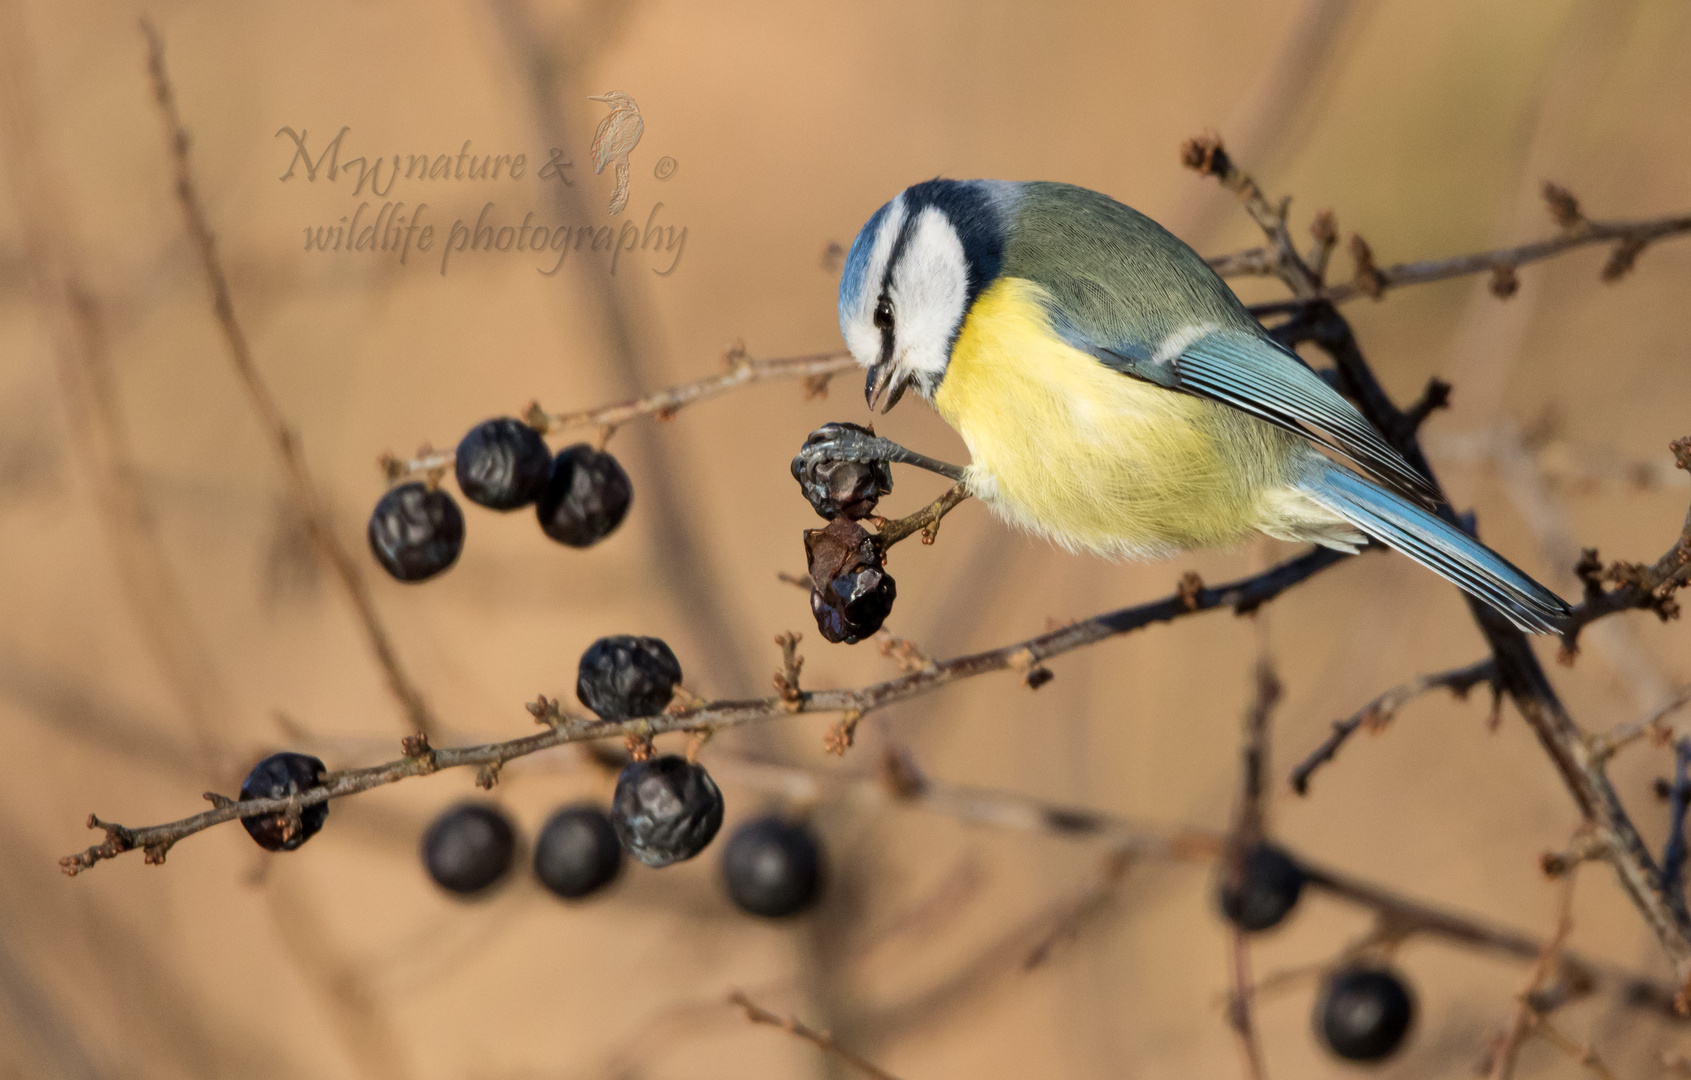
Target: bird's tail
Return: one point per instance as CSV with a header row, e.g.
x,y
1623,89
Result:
x,y
1437,545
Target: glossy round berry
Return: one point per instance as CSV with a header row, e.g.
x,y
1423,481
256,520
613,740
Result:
x,y
585,498
1269,891
577,853
280,776
624,677
502,464
772,867
1364,1013
416,533
851,594
665,810
469,847
834,488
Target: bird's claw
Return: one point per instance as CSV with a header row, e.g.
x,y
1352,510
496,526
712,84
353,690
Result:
x,y
847,442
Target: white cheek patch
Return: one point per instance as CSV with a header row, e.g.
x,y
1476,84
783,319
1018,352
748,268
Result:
x,y
930,287
861,334
1181,340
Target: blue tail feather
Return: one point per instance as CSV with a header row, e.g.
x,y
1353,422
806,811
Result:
x,y
1439,546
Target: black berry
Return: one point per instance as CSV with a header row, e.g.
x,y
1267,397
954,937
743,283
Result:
x,y
577,853
835,488
502,464
624,677
851,593
665,810
469,847
416,533
772,868
1268,892
585,498
1364,1013
280,776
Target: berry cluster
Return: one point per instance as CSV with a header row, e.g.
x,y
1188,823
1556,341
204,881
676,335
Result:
x,y
851,592
1364,1012
665,810
580,496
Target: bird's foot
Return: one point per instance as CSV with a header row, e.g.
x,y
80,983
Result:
x,y
848,442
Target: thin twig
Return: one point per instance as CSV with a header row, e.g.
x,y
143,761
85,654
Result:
x,y
926,520
1382,710
820,1039
285,440
664,404
1604,746
1526,1011
1629,238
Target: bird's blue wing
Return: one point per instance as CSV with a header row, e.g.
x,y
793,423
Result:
x,y
1261,377
1254,374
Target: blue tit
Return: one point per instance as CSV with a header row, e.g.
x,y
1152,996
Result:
x,y
1117,398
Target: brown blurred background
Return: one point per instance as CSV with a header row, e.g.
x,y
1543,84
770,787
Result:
x,y
1425,126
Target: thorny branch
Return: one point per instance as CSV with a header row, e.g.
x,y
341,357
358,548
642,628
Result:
x,y
306,497
1243,595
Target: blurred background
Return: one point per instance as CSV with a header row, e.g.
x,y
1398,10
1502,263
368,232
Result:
x,y
167,621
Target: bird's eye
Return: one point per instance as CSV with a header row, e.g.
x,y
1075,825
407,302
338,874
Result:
x,y
883,314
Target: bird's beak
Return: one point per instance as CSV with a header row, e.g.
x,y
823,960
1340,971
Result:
x,y
885,380
595,97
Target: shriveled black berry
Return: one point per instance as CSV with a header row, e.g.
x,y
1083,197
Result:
x,y
624,677
416,533
772,867
585,498
851,593
666,809
280,776
848,489
577,853
502,464
1364,1013
1268,892
469,847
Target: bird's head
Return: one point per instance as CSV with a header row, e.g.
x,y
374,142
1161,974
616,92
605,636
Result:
x,y
616,99
913,273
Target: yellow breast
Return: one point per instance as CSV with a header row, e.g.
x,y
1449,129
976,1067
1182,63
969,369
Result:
x,y
1094,459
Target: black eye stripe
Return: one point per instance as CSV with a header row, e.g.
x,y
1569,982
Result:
x,y
883,307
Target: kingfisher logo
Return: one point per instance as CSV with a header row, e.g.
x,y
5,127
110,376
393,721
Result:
x,y
393,228
618,135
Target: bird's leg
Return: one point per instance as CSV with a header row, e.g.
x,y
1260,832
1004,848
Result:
x,y
848,442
